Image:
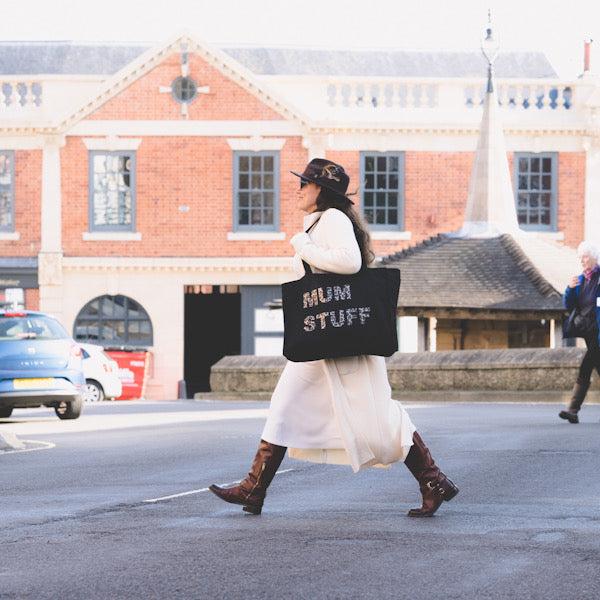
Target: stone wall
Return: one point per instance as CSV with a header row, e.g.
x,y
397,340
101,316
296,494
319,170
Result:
x,y
528,373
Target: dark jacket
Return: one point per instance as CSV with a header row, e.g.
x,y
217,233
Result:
x,y
570,299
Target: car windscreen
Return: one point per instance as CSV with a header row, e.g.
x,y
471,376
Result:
x,y
30,327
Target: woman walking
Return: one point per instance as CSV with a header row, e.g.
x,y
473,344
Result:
x,y
337,411
583,296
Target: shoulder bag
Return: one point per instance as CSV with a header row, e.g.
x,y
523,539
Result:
x,y
331,316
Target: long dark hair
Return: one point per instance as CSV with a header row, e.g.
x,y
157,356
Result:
x,y
328,199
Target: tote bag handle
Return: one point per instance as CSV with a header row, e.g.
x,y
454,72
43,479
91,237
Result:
x,y
307,267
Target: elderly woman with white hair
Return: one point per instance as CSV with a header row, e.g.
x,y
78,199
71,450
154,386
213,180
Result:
x,y
583,296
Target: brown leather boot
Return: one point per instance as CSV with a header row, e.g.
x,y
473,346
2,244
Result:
x,y
434,485
579,392
251,491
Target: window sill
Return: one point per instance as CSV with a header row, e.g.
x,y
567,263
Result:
x,y
112,236
390,235
9,236
243,236
549,235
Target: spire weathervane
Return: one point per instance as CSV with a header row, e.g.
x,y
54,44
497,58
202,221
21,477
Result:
x,y
490,48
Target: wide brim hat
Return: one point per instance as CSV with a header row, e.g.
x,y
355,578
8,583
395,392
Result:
x,y
326,174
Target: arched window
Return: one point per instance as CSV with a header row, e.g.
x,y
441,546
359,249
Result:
x,y
113,321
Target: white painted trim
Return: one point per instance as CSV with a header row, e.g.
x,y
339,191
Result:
x,y
256,143
442,139
9,236
111,143
244,236
111,236
558,236
215,57
51,208
30,142
172,264
390,235
186,128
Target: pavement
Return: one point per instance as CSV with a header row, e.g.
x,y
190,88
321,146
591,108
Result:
x,y
115,505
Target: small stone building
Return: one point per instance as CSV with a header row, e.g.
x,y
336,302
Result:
x,y
475,293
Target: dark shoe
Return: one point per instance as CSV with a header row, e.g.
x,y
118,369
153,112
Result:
x,y
579,392
569,416
434,493
251,491
434,485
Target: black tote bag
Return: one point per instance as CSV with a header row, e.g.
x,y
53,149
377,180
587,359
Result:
x,y
331,316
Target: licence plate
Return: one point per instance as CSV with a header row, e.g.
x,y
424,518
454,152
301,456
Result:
x,y
32,384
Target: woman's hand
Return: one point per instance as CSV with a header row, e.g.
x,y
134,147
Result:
x,y
574,281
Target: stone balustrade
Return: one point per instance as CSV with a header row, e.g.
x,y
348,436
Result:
x,y
16,94
384,92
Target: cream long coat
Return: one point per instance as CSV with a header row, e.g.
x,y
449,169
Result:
x,y
336,410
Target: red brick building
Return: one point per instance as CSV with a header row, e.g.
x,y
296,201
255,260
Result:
x,y
145,195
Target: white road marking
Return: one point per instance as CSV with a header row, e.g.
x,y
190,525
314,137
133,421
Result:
x,y
199,491
43,446
128,420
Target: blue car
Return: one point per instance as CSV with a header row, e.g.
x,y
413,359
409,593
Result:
x,y
40,364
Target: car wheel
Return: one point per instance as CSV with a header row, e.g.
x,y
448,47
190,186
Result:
x,y
69,410
5,412
92,391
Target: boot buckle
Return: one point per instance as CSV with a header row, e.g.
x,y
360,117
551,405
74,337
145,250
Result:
x,y
435,487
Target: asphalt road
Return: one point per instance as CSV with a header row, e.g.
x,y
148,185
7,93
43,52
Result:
x,y
76,522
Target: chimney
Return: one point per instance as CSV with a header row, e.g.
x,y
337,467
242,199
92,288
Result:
x,y
587,47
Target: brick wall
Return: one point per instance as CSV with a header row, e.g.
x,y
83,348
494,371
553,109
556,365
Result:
x,y
436,191
197,172
28,190
435,188
226,100
32,299
171,172
571,196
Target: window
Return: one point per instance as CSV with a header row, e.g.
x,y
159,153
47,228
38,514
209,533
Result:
x,y
536,185
7,190
184,89
112,191
113,321
382,177
256,191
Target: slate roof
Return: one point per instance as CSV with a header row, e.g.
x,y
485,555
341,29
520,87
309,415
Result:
x,y
65,58
490,274
392,63
76,58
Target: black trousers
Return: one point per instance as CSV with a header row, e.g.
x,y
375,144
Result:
x,y
590,361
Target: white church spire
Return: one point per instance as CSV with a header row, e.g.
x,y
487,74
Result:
x,y
490,205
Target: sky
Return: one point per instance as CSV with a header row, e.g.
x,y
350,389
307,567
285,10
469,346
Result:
x,y
554,27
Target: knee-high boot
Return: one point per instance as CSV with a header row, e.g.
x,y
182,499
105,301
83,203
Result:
x,y
251,491
579,392
434,485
